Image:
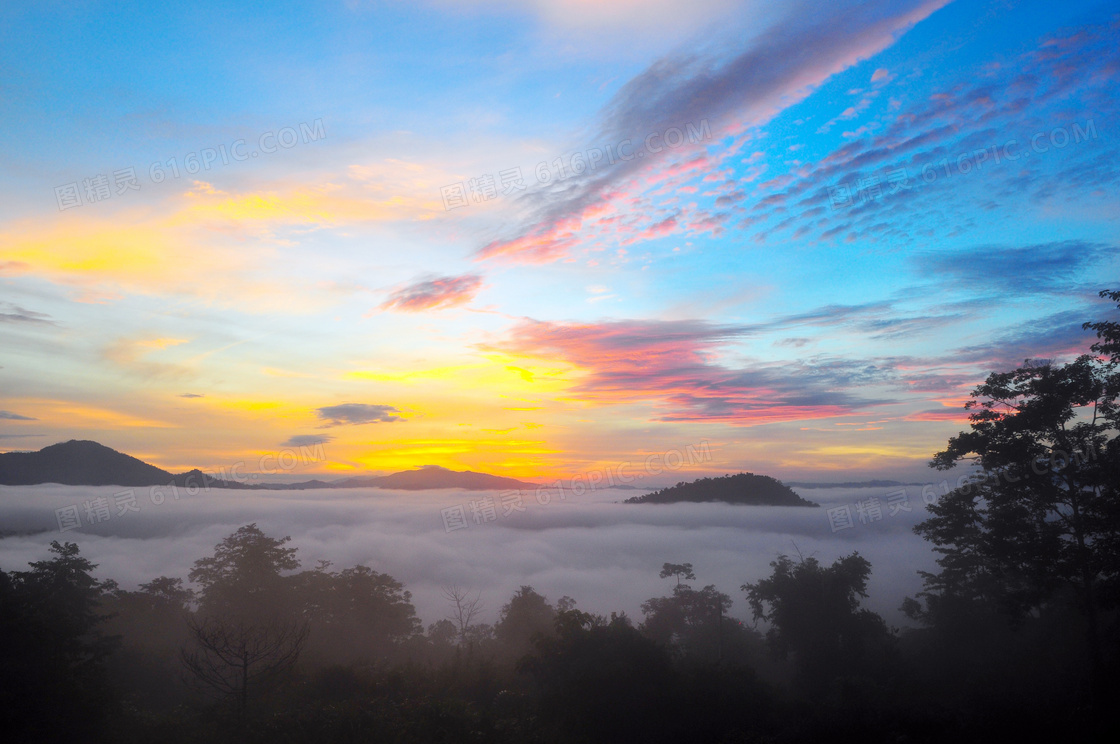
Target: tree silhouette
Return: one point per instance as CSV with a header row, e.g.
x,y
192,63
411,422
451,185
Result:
x,y
245,573
524,617
356,613
249,627
232,656
1041,518
690,621
464,609
816,616
680,570
603,681
53,647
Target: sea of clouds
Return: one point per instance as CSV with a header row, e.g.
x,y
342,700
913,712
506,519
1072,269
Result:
x,y
604,553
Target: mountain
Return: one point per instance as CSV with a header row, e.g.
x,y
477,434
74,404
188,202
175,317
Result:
x,y
78,463
742,488
852,484
302,486
198,479
85,463
433,476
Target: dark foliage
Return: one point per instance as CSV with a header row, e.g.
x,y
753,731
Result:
x,y
742,488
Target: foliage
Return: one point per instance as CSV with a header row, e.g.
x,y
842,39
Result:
x,y
245,571
53,647
526,616
815,615
1039,522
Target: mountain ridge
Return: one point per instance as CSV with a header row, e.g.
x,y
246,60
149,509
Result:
x,y
88,463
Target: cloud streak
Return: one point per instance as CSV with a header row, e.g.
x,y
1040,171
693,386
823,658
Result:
x,y
10,313
358,413
434,294
1028,269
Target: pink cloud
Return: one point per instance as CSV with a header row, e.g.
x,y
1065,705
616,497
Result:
x,y
674,365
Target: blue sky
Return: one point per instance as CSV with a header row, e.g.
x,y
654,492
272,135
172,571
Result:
x,y
832,223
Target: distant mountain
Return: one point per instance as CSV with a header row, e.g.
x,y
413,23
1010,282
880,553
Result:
x,y
302,486
198,479
78,463
742,488
432,476
85,463
852,484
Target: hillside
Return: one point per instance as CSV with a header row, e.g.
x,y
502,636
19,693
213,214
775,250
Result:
x,y
742,488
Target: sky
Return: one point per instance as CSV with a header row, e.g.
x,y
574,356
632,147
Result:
x,y
542,238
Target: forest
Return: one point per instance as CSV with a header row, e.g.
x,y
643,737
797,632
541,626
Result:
x,y
1014,637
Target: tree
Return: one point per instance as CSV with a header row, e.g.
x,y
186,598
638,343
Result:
x,y
1108,331
357,613
244,572
680,570
1040,518
248,627
603,681
815,615
525,616
152,624
53,647
464,609
443,634
691,621
233,656
166,592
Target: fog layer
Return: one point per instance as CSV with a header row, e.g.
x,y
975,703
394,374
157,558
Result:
x,y
592,547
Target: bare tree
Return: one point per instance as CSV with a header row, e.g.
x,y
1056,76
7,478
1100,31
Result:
x,y
464,609
233,655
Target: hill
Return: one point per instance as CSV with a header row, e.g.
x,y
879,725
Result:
x,y
742,488
851,484
433,476
78,463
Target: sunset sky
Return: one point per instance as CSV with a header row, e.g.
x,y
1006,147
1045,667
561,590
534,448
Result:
x,y
810,230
